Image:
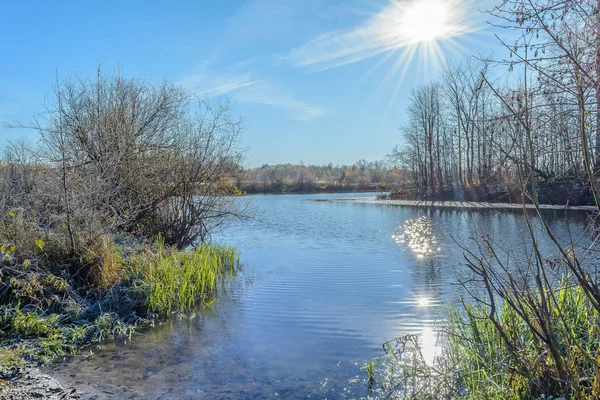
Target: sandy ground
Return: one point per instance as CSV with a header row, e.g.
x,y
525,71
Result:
x,y
464,204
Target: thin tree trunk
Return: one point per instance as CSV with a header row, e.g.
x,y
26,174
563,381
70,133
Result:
x,y
597,144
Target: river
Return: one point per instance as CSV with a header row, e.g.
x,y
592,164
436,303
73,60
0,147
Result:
x,y
323,284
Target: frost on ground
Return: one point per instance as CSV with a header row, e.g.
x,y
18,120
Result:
x,y
35,385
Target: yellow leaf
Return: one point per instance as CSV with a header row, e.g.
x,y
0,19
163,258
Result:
x,y
26,264
40,244
12,213
570,254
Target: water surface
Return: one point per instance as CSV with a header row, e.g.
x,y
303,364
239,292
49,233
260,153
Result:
x,y
323,285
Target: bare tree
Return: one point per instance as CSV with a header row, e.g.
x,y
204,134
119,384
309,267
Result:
x,y
138,158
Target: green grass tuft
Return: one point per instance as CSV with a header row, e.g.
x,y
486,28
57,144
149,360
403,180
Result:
x,y
32,324
183,280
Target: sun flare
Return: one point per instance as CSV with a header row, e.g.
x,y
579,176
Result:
x,y
409,31
425,20
402,32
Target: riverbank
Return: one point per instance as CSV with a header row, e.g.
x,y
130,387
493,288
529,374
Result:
x,y
467,205
46,314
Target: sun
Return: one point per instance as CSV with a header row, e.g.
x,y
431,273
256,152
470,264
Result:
x,y
425,31
425,20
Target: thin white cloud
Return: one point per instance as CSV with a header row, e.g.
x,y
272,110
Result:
x,y
385,31
256,24
278,97
209,84
228,87
246,89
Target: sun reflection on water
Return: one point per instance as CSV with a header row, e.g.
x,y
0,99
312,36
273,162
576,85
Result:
x,y
429,345
417,234
423,302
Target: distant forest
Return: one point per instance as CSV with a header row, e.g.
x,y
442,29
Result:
x,y
361,176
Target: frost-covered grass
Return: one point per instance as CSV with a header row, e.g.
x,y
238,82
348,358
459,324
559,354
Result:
x,y
47,312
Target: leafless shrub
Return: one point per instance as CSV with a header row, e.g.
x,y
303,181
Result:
x,y
118,156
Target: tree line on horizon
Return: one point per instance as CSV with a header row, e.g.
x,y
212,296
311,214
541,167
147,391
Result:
x,y
363,175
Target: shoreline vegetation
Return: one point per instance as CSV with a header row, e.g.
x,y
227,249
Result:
x,y
564,191
483,355
317,190
395,182
362,176
46,315
105,223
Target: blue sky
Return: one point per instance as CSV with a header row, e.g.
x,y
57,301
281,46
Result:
x,y
318,81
